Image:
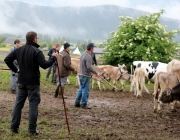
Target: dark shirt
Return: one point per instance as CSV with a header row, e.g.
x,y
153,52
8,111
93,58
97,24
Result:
x,y
93,59
29,58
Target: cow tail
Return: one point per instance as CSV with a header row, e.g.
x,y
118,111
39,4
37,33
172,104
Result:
x,y
156,85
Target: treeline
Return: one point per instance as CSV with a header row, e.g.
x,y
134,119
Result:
x,y
48,41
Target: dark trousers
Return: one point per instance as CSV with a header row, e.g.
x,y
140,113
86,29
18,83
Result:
x,y
54,76
49,71
33,94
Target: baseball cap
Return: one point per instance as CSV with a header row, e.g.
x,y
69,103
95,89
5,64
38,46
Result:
x,y
90,45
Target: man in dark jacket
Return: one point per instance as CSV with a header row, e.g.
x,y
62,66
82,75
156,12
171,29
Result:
x,y
53,67
94,62
64,63
29,58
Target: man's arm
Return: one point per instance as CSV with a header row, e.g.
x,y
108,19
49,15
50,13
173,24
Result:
x,y
89,65
67,63
43,63
9,61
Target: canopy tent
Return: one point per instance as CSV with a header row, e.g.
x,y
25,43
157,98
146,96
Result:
x,y
76,51
62,48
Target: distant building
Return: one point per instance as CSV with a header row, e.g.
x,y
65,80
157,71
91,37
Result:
x,y
10,40
98,50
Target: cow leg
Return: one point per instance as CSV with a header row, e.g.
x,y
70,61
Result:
x,y
77,81
99,85
115,84
92,83
132,85
159,103
155,102
147,91
68,82
122,83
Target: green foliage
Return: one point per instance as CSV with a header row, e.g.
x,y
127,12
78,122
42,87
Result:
x,y
2,38
2,45
43,44
143,38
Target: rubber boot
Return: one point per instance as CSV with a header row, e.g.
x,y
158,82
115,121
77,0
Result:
x,y
56,92
60,95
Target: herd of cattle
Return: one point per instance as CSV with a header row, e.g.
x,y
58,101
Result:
x,y
165,77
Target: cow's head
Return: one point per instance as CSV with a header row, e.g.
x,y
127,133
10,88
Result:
x,y
166,96
105,75
126,77
123,68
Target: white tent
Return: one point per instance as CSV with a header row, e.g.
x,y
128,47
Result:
x,y
76,51
62,48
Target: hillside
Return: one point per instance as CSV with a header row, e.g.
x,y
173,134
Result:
x,y
75,22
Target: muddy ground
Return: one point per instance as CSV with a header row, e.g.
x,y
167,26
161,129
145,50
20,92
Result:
x,y
114,115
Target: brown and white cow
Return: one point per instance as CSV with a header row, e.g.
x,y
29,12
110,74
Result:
x,y
163,80
115,74
75,64
138,82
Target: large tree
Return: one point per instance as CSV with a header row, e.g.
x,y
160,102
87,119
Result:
x,y
143,39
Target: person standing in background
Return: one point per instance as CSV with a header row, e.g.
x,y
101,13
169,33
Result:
x,y
94,62
14,76
85,70
64,63
55,48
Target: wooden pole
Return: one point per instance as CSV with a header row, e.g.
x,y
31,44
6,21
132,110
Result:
x,y
60,86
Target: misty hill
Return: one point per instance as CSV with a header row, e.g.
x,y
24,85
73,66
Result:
x,y
75,22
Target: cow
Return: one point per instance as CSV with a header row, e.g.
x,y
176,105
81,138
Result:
x,y
171,95
151,68
115,74
174,68
75,64
138,82
163,81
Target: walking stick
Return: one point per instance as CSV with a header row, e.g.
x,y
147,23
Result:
x,y
105,81
59,76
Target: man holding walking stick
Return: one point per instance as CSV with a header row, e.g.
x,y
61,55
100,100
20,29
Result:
x,y
85,70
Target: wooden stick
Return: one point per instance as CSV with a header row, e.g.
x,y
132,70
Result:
x,y
60,86
106,82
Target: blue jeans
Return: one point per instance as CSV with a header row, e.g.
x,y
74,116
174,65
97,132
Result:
x,y
83,91
33,94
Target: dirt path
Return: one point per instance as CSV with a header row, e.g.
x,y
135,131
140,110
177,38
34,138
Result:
x,y
113,116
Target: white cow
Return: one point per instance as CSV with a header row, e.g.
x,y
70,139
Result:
x,y
150,68
138,82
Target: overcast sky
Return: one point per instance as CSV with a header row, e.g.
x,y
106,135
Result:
x,y
172,7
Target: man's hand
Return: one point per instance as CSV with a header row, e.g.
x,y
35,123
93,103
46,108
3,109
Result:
x,y
55,54
18,70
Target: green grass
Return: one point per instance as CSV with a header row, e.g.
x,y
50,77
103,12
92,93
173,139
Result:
x,y
55,129
5,48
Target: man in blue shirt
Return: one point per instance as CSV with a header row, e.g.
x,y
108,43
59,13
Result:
x,y
14,76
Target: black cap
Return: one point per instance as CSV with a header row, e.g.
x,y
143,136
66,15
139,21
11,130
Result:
x,y
90,45
66,45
